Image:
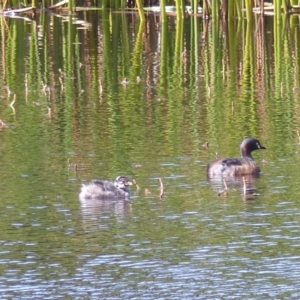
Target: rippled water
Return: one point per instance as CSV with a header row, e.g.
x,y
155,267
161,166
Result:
x,y
196,242
190,244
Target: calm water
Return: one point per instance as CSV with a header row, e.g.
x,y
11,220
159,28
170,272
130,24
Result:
x,y
191,244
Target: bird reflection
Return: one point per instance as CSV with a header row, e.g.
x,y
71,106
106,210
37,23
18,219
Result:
x,y
94,209
246,184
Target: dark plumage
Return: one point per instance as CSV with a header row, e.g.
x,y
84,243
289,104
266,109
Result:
x,y
230,167
104,189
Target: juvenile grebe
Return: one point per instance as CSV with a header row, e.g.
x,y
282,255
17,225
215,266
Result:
x,y
104,189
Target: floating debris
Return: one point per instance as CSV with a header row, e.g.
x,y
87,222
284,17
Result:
x,y
135,183
100,87
4,125
125,81
49,112
161,195
206,145
8,91
45,88
72,166
12,104
147,192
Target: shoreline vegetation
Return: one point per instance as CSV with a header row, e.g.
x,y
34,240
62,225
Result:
x,y
226,9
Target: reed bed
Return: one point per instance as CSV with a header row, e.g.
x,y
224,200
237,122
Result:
x,y
227,9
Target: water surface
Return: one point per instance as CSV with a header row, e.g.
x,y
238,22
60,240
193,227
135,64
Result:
x,y
193,243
